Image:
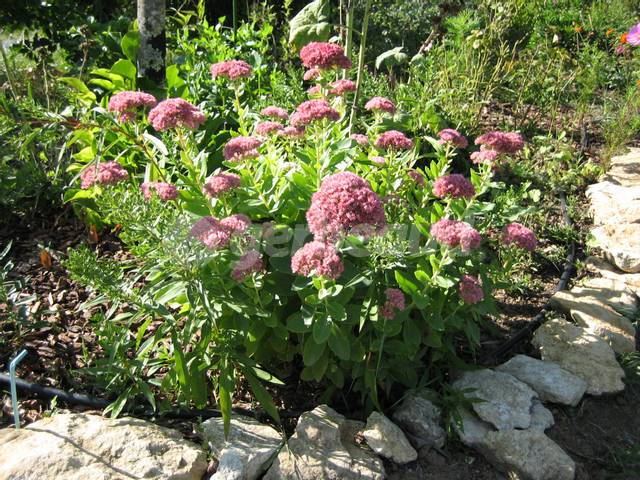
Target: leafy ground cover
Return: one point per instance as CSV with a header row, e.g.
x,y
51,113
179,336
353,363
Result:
x,y
210,251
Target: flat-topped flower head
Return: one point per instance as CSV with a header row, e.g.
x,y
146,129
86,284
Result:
x,y
317,258
381,104
453,186
107,173
211,233
452,137
231,69
344,204
237,224
220,184
485,156
454,233
126,104
251,262
293,132
395,302
315,91
268,127
175,112
520,236
311,74
341,87
275,112
313,111
323,55
360,139
470,289
165,191
240,148
501,142
393,139
633,36
378,160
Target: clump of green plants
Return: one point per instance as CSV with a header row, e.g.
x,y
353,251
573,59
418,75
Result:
x,y
303,243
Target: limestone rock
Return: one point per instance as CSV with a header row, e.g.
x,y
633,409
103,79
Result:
x,y
420,419
386,439
247,451
471,430
75,446
617,302
530,454
323,448
621,244
507,400
617,336
612,203
541,417
581,353
547,379
607,271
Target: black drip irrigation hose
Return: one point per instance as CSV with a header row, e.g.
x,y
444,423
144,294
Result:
x,y
541,317
101,403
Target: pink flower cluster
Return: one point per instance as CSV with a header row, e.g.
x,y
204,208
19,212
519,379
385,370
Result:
x,y
324,55
453,137
311,74
345,203
454,186
394,139
484,156
274,112
454,233
311,111
378,160
293,132
268,127
220,184
470,289
381,104
340,87
395,301
175,112
360,139
239,148
250,262
126,103
317,258
501,142
107,173
519,235
216,234
211,233
231,69
165,191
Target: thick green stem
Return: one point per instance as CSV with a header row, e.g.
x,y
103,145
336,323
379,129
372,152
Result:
x,y
363,44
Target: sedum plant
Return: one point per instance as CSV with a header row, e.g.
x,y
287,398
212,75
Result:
x,y
358,257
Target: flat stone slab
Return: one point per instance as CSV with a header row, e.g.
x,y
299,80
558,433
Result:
x,y
582,353
323,447
529,454
621,244
588,303
547,379
610,292
608,271
507,402
620,340
76,446
541,416
387,439
611,203
472,431
421,421
247,451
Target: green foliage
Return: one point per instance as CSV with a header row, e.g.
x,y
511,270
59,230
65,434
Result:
x,y
311,24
